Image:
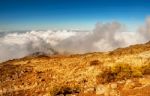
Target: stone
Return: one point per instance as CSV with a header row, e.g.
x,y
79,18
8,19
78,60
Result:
x,y
129,84
89,90
100,89
113,86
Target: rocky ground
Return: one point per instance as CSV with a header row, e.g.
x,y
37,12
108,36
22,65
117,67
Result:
x,y
122,72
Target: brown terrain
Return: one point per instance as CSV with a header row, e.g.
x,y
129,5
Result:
x,y
122,72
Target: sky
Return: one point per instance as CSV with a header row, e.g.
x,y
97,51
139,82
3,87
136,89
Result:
x,y
70,14
30,26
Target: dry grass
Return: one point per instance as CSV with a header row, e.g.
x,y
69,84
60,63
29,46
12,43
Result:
x,y
72,74
121,72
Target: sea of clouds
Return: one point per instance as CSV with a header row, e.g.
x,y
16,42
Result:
x,y
104,37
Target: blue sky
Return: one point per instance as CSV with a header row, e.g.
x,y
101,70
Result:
x,y
70,14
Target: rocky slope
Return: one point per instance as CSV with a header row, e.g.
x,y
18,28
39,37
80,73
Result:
x,y
122,72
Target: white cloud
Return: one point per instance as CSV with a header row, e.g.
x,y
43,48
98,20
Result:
x,y
104,37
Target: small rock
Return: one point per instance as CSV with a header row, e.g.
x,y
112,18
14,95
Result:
x,y
89,90
4,90
107,90
1,91
100,89
114,93
113,85
129,84
121,82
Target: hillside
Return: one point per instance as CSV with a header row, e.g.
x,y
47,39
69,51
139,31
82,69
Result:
x,y
122,72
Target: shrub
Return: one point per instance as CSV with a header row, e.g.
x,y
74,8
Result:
x,y
106,76
119,72
65,90
146,68
95,62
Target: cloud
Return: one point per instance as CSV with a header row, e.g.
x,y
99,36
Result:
x,y
15,45
104,37
85,42
145,29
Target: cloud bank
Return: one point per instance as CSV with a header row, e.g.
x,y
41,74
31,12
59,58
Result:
x,y
104,37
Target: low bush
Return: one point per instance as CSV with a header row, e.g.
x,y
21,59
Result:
x,y
95,62
65,90
122,71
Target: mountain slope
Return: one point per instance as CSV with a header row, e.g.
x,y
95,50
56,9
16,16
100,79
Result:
x,y
122,72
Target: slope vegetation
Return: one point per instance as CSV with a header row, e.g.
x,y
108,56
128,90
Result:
x,y
122,72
